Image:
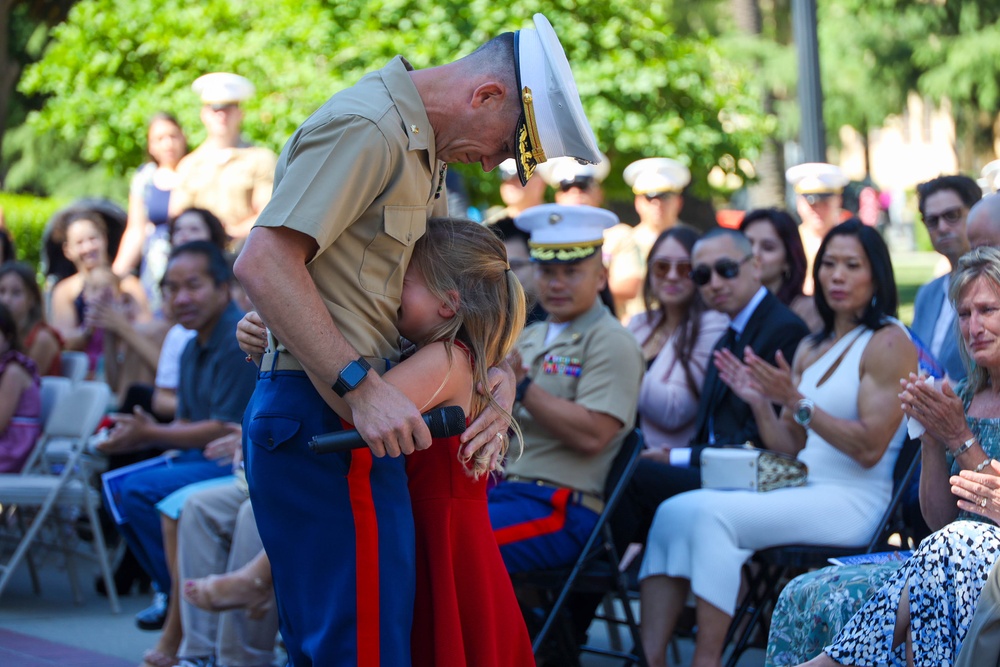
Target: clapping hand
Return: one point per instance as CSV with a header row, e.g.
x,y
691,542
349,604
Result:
x,y
941,413
736,375
129,433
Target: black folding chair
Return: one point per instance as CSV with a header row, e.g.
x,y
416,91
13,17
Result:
x,y
775,565
595,571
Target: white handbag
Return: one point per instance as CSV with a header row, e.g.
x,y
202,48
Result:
x,y
744,467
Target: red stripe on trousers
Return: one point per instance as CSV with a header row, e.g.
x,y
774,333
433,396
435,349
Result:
x,y
366,557
536,527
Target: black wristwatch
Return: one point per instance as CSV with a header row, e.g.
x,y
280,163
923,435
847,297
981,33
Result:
x,y
522,387
351,376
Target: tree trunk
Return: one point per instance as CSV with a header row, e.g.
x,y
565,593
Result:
x,y
10,72
769,189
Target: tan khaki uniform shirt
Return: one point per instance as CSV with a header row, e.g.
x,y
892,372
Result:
x,y
224,181
360,177
595,362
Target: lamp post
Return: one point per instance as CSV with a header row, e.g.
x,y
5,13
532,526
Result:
x,y
813,132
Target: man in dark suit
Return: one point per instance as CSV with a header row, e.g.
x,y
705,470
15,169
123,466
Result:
x,y
944,204
728,277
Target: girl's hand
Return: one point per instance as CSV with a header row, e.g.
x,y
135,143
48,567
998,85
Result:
x,y
252,336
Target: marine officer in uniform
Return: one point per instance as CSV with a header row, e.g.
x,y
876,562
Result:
x,y
225,174
578,375
576,183
324,266
819,189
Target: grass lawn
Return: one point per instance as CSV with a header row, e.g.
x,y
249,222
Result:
x,y
912,269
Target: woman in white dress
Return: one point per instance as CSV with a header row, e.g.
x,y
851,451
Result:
x,y
840,415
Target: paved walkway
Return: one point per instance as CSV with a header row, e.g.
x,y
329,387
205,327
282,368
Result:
x,y
50,630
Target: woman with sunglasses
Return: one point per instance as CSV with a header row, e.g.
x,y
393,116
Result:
x,y
778,247
840,415
677,334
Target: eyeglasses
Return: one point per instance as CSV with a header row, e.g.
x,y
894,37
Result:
x,y
226,106
583,182
951,216
725,267
816,198
658,196
660,268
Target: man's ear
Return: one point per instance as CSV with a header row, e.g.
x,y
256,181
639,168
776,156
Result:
x,y
490,92
449,307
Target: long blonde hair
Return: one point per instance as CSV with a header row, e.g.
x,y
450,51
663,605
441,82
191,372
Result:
x,y
983,262
457,256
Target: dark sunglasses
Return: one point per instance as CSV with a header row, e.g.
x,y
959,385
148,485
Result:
x,y
661,268
661,196
813,199
951,216
583,183
725,267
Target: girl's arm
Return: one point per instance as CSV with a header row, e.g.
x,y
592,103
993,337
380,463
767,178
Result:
x,y
64,319
428,378
12,384
44,350
130,248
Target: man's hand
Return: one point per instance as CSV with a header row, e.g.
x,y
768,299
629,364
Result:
x,y
482,433
387,420
223,450
130,433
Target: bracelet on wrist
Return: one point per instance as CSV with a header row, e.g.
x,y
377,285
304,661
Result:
x,y
982,466
965,446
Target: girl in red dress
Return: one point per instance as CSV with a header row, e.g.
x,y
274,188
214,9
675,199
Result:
x,y
463,308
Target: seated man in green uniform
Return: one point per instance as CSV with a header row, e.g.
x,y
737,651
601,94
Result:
x,y
578,378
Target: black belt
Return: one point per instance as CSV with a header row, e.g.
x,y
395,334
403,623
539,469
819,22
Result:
x,y
581,498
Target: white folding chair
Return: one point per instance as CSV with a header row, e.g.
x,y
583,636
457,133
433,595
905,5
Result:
x,y
74,365
60,488
53,387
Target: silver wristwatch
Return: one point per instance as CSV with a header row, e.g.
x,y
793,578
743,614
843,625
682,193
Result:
x,y
803,413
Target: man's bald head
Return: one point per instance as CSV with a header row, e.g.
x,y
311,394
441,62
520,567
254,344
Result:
x,y
983,222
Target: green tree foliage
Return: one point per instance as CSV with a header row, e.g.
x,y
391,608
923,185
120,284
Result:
x,y
648,89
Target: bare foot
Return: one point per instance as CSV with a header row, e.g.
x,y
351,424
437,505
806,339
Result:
x,y
230,591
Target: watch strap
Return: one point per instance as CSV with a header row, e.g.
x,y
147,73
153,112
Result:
x,y
342,386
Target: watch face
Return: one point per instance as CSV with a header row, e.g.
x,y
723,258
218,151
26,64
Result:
x,y
803,414
353,374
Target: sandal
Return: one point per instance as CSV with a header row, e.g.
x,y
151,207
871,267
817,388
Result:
x,y
230,591
156,658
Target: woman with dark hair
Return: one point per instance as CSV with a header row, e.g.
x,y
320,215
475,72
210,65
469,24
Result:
x,y
921,613
778,247
19,291
84,239
197,224
840,415
145,239
20,398
677,334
